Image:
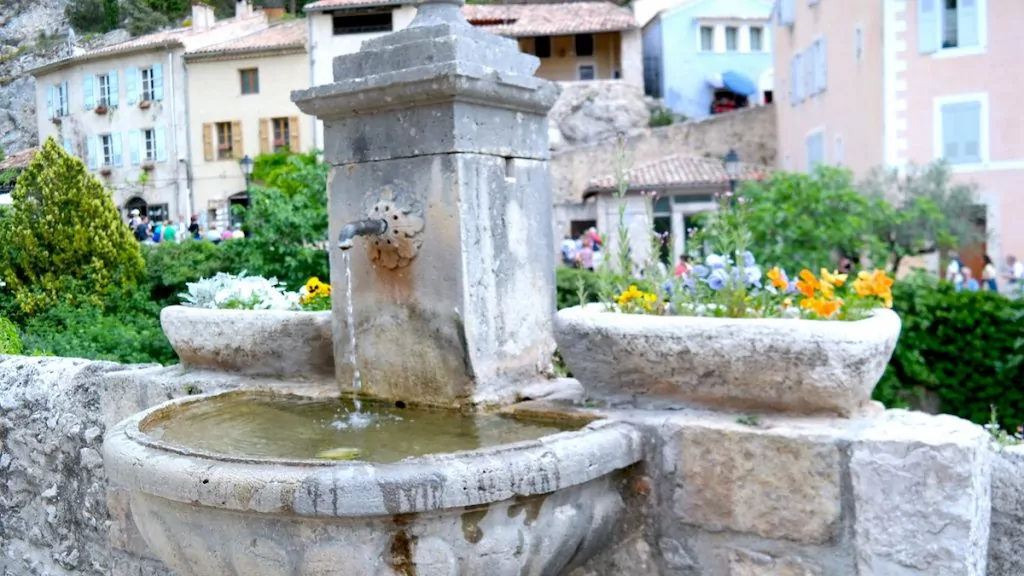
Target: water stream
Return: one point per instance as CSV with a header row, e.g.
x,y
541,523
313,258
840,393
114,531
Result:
x,y
357,381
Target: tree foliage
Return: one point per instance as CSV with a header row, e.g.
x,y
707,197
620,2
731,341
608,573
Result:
x,y
286,222
924,211
64,240
809,220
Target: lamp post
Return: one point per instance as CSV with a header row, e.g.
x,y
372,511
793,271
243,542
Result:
x,y
247,167
731,162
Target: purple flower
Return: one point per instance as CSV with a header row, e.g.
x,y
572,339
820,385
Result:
x,y
690,284
748,259
718,279
715,261
791,288
753,274
700,271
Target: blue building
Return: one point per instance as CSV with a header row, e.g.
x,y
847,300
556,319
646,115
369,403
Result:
x,y
708,56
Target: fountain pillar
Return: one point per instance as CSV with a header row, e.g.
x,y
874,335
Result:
x,y
441,130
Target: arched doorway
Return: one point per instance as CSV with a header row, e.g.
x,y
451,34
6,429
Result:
x,y
240,199
136,203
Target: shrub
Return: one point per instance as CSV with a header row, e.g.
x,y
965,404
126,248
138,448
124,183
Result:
x,y
64,240
10,342
171,266
967,347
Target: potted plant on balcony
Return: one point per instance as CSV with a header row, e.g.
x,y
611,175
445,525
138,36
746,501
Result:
x,y
106,170
101,107
727,336
148,164
56,120
144,104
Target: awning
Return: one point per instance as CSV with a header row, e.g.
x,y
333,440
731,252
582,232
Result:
x,y
738,83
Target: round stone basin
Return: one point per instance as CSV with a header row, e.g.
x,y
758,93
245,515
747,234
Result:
x,y
230,483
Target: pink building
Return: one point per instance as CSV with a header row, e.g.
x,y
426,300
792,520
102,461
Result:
x,y
870,82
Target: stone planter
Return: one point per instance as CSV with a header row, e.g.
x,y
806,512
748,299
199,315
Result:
x,y
802,366
251,342
530,508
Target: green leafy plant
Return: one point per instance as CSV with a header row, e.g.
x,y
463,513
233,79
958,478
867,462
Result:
x,y
64,240
10,342
1001,437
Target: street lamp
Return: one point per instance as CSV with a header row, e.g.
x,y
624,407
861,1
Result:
x,y
732,169
247,166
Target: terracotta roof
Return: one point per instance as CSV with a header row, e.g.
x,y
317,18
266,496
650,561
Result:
x,y
325,5
18,160
279,36
679,171
550,19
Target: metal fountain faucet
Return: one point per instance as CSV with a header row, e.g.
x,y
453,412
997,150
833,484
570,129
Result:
x,y
367,227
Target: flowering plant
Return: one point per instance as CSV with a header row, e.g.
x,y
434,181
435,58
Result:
x,y
241,292
315,295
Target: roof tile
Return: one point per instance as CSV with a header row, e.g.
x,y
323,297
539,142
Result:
x,y
18,160
290,34
550,19
679,171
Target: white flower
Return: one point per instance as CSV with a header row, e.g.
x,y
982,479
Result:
x,y
245,292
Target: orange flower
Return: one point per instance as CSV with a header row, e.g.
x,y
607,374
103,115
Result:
x,y
833,277
778,278
824,307
875,283
807,284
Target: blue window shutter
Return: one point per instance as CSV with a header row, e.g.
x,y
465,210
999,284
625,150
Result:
x,y
970,131
160,137
134,145
131,86
112,78
49,102
158,82
792,80
87,94
928,22
92,152
968,24
68,147
822,65
115,148
951,134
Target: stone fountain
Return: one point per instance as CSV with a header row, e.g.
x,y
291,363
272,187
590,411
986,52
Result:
x,y
439,194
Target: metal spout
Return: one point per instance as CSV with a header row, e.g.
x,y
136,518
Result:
x,y
368,227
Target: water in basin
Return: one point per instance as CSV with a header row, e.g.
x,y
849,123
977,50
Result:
x,y
286,427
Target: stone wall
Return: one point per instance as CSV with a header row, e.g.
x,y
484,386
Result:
x,y
895,493
750,132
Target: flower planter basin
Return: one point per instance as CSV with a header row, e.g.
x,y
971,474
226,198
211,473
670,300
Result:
x,y
783,365
534,508
251,342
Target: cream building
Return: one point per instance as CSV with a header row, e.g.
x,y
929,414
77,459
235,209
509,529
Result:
x,y
123,110
895,82
575,41
239,95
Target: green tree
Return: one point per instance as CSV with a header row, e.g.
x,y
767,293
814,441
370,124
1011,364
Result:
x,y
286,221
64,240
924,211
808,220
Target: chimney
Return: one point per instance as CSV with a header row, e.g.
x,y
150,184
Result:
x,y
243,9
202,16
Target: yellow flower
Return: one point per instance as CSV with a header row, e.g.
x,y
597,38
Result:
x,y
778,278
876,283
787,302
834,277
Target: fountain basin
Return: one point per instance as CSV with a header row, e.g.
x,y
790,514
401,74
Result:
x,y
251,342
532,507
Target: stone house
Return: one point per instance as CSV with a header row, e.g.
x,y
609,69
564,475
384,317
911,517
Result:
x,y
10,167
124,109
577,41
664,195
252,77
903,82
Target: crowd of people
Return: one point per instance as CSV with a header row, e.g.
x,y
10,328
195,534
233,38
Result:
x,y
583,252
155,231
963,277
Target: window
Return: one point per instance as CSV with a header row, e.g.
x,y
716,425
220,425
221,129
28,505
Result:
x,y
60,100
858,43
542,47
707,38
820,51
756,39
950,24
104,84
364,23
962,122
224,150
106,150
587,72
796,84
148,84
584,44
732,37
250,80
282,134
148,146
815,150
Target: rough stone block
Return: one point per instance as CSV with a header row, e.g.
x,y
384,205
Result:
x,y
921,495
1006,538
780,485
748,563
